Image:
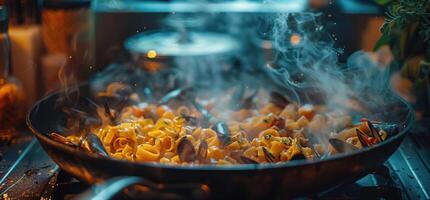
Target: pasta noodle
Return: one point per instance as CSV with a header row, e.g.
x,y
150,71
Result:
x,y
151,133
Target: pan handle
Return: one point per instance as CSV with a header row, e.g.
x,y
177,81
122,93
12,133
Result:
x,y
113,186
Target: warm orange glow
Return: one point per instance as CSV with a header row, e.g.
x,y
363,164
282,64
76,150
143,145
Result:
x,y
151,54
295,39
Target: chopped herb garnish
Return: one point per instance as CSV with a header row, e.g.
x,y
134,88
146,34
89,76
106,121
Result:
x,y
286,141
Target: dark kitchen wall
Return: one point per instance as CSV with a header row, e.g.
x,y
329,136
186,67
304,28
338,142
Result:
x,y
353,24
111,29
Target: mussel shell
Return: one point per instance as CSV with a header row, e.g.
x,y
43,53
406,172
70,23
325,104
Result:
x,y
242,159
223,132
93,144
298,156
374,133
361,137
391,129
202,152
186,151
109,113
341,146
268,156
192,121
246,160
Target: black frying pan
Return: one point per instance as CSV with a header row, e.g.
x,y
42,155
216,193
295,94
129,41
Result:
x,y
294,178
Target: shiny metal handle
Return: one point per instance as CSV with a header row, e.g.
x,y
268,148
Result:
x,y
113,186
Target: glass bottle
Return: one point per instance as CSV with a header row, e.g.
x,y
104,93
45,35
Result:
x,y
11,96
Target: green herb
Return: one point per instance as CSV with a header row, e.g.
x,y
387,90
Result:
x,y
406,19
286,140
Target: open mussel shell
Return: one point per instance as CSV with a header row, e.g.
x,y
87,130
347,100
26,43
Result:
x,y
246,160
268,156
374,133
242,159
202,152
108,112
362,137
223,132
186,151
191,120
207,116
341,146
298,156
391,129
92,143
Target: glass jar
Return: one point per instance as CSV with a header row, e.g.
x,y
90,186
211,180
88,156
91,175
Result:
x,y
12,112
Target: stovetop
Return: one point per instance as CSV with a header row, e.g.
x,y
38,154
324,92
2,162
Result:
x,y
26,172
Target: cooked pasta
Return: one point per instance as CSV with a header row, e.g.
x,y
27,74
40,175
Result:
x,y
266,132
270,134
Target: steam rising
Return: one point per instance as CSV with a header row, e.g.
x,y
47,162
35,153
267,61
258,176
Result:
x,y
312,64
306,63
305,68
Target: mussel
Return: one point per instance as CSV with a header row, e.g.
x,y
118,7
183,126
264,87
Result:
x,y
207,116
223,132
268,156
391,129
186,151
191,120
298,156
246,160
341,146
373,132
90,143
202,152
108,113
364,139
368,135
240,158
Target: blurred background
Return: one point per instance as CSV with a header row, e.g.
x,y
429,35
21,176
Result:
x,y
52,33
55,43
51,44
